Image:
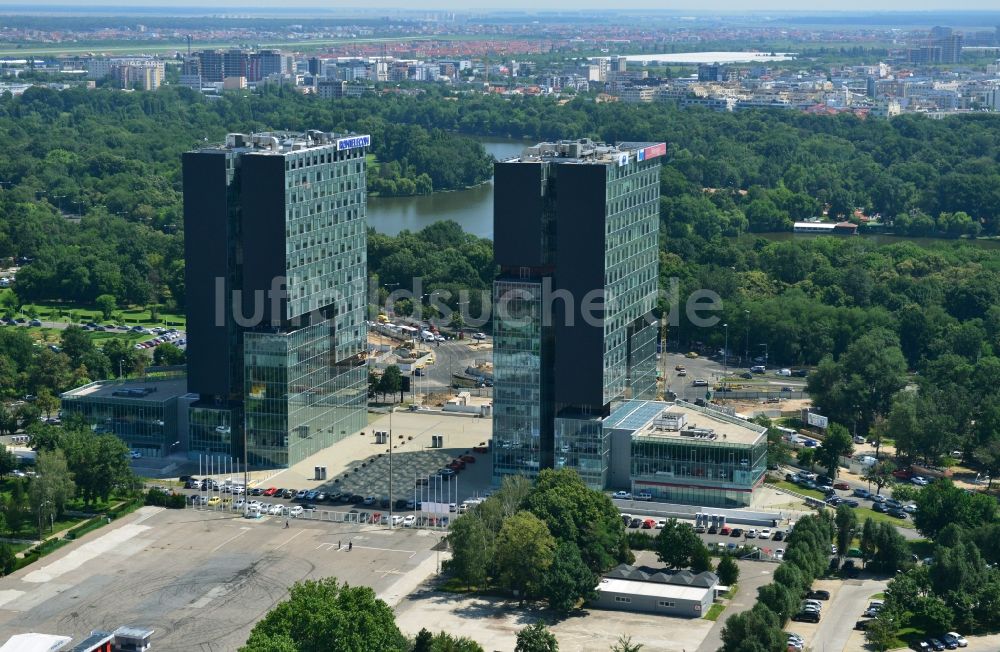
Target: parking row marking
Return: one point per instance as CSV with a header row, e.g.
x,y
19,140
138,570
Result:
x,y
243,530
289,539
344,547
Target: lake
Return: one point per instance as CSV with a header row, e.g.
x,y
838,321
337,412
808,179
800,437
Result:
x,y
472,207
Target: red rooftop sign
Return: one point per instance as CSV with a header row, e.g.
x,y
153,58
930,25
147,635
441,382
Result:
x,y
646,153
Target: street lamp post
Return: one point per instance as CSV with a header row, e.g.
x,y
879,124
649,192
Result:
x,y
725,359
746,352
390,464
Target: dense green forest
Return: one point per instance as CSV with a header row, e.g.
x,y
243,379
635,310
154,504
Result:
x,y
113,159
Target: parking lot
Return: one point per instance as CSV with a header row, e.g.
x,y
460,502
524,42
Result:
x,y
202,579
358,467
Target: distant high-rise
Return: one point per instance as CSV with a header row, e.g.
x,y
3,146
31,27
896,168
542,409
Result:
x,y
212,66
275,271
575,223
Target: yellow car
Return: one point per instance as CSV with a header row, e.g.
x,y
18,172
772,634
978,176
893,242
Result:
x,y
691,354
214,500
431,360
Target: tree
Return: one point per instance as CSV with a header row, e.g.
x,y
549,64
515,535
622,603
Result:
x,y
324,616
756,629
391,381
76,344
8,461
880,475
676,544
701,559
168,354
524,553
836,444
472,549
847,522
942,503
934,614
859,386
99,462
51,487
625,644
8,561
892,552
423,641
580,515
443,642
780,599
806,457
728,571
46,402
869,543
536,638
107,304
568,579
881,632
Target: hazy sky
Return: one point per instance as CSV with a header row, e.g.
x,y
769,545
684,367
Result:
x,y
742,6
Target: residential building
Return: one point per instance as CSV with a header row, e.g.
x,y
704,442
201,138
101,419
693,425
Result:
x,y
576,220
637,94
276,345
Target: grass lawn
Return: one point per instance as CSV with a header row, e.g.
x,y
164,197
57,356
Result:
x,y
877,596
715,611
731,593
78,313
907,635
864,512
812,493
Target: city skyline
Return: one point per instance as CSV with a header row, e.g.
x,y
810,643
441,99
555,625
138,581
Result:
x,y
726,6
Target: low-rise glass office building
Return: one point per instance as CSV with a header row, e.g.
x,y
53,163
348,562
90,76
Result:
x,y
148,414
682,453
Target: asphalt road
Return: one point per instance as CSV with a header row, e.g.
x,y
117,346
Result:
x,y
712,371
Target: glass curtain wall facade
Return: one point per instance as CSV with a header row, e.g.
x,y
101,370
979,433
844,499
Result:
x,y
713,474
582,444
215,431
298,400
631,278
520,378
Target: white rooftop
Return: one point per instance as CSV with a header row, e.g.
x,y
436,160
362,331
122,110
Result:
x,y
35,643
654,589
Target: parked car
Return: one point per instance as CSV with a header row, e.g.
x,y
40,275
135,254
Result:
x,y
806,617
897,513
779,535
957,638
621,495
818,594
270,491
920,481
295,511
736,532
841,485
862,493
635,522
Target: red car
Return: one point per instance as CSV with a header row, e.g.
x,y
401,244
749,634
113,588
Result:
x,y
725,531
468,458
902,474
843,486
457,465
270,491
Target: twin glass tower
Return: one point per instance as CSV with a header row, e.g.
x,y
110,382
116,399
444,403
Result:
x,y
276,266
576,228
